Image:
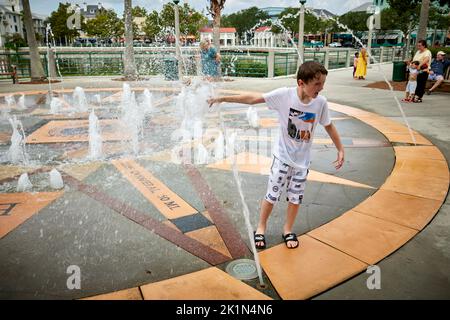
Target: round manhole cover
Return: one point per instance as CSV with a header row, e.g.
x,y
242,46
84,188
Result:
x,y
243,269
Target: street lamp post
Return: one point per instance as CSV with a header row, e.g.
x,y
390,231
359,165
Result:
x,y
177,38
300,31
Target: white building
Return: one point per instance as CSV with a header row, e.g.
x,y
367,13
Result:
x,y
227,36
11,20
264,37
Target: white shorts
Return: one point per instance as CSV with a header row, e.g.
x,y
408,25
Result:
x,y
435,77
282,173
411,87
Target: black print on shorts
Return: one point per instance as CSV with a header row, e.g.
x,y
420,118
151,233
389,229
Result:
x,y
282,171
275,189
280,179
271,197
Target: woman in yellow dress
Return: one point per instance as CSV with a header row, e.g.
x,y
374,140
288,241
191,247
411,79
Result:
x,y
361,68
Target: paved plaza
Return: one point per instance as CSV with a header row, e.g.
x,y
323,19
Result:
x,y
145,226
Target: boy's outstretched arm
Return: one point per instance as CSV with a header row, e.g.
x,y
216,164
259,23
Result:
x,y
246,98
334,135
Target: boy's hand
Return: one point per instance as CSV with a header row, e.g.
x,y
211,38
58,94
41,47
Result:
x,y
211,101
340,160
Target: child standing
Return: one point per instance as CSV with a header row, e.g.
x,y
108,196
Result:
x,y
300,109
355,63
412,82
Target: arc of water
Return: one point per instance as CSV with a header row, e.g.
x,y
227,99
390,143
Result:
x,y
322,15
405,119
246,211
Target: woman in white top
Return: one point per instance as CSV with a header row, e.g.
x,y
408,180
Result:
x,y
423,55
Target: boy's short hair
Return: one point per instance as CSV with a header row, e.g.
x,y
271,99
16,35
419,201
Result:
x,y
356,54
310,70
415,62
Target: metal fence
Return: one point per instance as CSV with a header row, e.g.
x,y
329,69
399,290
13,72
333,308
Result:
x,y
257,62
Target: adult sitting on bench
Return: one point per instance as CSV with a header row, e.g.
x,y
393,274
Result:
x,y
438,67
8,70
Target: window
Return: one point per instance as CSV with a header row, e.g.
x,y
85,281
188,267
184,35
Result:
x,y
12,7
14,17
15,27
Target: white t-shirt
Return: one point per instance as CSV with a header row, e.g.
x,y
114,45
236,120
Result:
x,y
297,124
421,56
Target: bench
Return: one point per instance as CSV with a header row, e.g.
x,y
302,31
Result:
x,y
445,85
7,69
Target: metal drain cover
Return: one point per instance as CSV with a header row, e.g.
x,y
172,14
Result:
x,y
242,269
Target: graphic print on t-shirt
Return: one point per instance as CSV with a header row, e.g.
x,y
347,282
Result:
x,y
300,125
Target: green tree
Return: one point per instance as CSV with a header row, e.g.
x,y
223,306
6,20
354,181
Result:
x,y
58,21
14,41
439,18
313,24
355,21
244,20
401,15
138,12
106,24
190,20
151,26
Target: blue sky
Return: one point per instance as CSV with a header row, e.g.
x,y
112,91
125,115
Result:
x,y
335,6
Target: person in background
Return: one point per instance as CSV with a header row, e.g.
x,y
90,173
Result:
x,y
361,67
437,69
423,55
210,60
412,82
355,63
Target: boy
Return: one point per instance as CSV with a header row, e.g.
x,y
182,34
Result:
x,y
412,82
300,109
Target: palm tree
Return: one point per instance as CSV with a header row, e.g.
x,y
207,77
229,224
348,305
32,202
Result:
x,y
423,22
129,63
215,8
37,70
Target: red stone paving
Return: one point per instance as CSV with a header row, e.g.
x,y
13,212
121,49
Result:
x,y
228,232
195,247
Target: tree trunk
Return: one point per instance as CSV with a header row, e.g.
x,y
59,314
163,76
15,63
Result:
x,y
423,23
434,35
129,63
37,70
216,31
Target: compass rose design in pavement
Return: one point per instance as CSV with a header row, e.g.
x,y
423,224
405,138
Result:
x,y
146,227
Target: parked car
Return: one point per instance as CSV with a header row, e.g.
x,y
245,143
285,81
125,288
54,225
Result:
x,y
348,44
316,44
335,44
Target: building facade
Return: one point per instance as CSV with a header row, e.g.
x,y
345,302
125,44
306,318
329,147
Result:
x,y
227,36
11,21
264,37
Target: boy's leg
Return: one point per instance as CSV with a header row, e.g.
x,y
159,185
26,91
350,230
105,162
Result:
x,y
277,180
292,212
266,210
295,192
